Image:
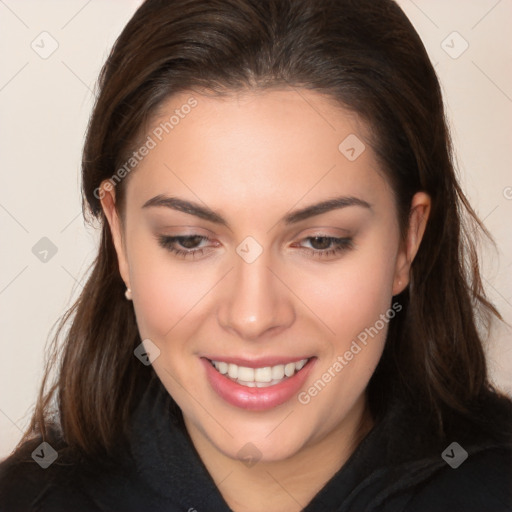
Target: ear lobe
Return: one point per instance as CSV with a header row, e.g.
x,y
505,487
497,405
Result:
x,y
418,217
108,204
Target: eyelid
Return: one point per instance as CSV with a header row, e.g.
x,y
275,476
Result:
x,y
322,231
194,230
168,242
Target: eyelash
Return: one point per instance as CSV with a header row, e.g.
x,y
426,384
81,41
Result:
x,y
340,245
167,242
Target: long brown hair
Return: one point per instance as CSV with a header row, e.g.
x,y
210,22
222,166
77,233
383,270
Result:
x,y
366,56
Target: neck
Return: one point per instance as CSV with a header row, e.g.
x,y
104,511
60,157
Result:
x,y
285,485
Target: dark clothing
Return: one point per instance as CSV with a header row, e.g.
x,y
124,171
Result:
x,y
394,469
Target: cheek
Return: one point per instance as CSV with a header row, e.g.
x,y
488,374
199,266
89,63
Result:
x,y
354,299
164,292
351,294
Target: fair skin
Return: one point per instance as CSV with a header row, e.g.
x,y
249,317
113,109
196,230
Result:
x,y
254,158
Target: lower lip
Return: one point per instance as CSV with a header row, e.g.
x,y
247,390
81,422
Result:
x,y
256,399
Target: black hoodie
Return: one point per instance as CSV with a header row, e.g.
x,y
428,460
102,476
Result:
x,y
394,469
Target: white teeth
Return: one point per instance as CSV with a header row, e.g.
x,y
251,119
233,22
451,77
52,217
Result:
x,y
246,374
289,369
300,364
248,383
222,367
259,377
233,371
278,371
263,374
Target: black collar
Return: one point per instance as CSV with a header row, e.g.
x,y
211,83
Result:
x,y
396,454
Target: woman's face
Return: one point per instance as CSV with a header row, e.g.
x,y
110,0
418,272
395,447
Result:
x,y
259,232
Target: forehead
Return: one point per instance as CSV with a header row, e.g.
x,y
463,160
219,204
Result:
x,y
285,145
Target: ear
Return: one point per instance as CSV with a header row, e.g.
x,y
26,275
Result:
x,y
108,203
418,217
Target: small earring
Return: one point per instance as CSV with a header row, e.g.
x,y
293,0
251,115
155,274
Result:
x,y
128,294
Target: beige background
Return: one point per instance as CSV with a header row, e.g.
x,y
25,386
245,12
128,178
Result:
x,y
44,107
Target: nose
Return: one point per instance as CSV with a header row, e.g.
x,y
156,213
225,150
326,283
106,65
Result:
x,y
254,301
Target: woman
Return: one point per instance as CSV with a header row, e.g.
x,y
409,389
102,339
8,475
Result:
x,y
283,311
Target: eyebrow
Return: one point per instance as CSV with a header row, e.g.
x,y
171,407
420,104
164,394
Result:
x,y
294,217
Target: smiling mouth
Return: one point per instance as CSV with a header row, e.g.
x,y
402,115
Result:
x,y
259,377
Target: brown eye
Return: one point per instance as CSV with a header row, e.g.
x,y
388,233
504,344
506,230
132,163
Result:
x,y
184,246
190,242
320,242
326,246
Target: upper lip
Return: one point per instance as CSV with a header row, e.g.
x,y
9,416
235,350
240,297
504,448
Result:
x,y
262,362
